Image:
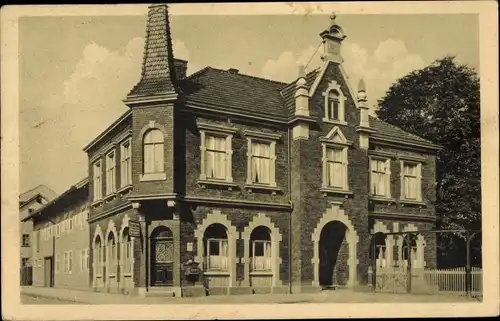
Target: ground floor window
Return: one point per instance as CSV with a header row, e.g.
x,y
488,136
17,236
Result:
x,y
216,248
111,256
378,250
97,253
260,250
126,251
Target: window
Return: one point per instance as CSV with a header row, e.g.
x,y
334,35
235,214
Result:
x,y
379,242
414,254
58,263
334,104
260,250
26,240
380,177
25,261
153,151
111,254
97,252
216,153
37,241
216,251
110,173
332,108
410,181
70,222
125,164
261,163
84,259
97,183
215,157
336,168
126,251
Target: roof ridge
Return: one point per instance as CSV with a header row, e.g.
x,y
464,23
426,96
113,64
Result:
x,y
33,188
250,76
295,80
399,128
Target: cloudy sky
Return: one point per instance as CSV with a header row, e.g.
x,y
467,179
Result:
x,y
74,71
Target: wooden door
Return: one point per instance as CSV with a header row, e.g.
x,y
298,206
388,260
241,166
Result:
x,y
162,265
48,279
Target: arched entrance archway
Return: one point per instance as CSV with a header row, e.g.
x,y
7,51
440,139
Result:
x,y
162,256
333,255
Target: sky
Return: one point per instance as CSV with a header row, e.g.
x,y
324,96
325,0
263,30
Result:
x,y
74,71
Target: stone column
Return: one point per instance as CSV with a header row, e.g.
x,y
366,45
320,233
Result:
x,y
142,285
176,231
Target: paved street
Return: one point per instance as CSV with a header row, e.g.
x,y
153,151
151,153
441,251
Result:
x,y
28,299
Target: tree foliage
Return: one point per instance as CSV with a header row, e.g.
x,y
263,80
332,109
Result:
x,y
441,103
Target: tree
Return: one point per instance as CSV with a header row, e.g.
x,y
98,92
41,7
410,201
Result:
x,y
441,103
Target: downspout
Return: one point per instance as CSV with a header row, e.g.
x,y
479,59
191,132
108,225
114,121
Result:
x,y
291,213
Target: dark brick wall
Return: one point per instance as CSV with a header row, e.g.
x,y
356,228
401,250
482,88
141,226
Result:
x,y
240,218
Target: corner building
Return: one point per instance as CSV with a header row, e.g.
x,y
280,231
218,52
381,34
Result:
x,y
223,183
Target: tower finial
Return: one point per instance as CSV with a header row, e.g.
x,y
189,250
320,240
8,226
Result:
x,y
333,16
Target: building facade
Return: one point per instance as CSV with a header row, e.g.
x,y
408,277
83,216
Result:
x,y
61,240
224,183
29,202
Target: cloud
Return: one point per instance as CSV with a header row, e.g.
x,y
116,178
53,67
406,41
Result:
x,y
89,100
380,68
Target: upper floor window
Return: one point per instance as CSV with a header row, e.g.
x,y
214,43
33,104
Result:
x,y
380,177
332,108
26,240
153,151
260,160
411,188
97,183
215,157
125,164
336,167
216,153
110,173
334,104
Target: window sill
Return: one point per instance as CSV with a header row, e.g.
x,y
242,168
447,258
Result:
x,y
382,199
336,122
404,202
153,177
263,273
215,183
97,203
208,273
335,191
109,197
125,189
270,188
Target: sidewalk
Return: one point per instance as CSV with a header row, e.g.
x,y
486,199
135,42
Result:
x,y
340,296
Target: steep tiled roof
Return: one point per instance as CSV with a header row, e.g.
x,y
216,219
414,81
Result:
x,y
231,91
158,71
386,130
40,190
288,92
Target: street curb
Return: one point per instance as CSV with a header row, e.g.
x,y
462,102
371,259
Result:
x,y
48,296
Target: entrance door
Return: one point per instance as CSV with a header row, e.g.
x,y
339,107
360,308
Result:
x,y
47,268
162,258
331,240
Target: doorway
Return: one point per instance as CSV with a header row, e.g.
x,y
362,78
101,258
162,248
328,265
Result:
x,y
162,257
48,278
333,255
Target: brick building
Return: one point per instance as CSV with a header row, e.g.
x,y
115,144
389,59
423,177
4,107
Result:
x,y
267,186
61,240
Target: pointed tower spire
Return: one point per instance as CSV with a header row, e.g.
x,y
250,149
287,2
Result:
x,y
332,39
158,66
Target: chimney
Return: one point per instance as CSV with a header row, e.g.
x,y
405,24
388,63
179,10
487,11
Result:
x,y
233,70
364,125
180,68
332,40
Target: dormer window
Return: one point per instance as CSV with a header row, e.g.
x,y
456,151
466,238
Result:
x,y
334,104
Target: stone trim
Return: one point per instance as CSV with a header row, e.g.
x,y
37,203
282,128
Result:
x,y
111,229
212,218
334,86
335,213
262,220
97,233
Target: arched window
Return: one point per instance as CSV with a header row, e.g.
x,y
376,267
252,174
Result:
x,y
412,246
332,111
97,256
216,248
126,251
260,249
111,252
153,151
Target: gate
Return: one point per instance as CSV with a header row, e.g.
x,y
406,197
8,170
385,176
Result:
x,y
393,280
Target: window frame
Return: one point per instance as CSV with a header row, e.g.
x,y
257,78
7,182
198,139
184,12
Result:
x,y
272,160
154,159
345,166
386,174
97,180
110,172
219,241
27,243
333,86
418,180
126,173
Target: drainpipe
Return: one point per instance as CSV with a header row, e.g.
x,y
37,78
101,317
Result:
x,y
291,212
53,272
